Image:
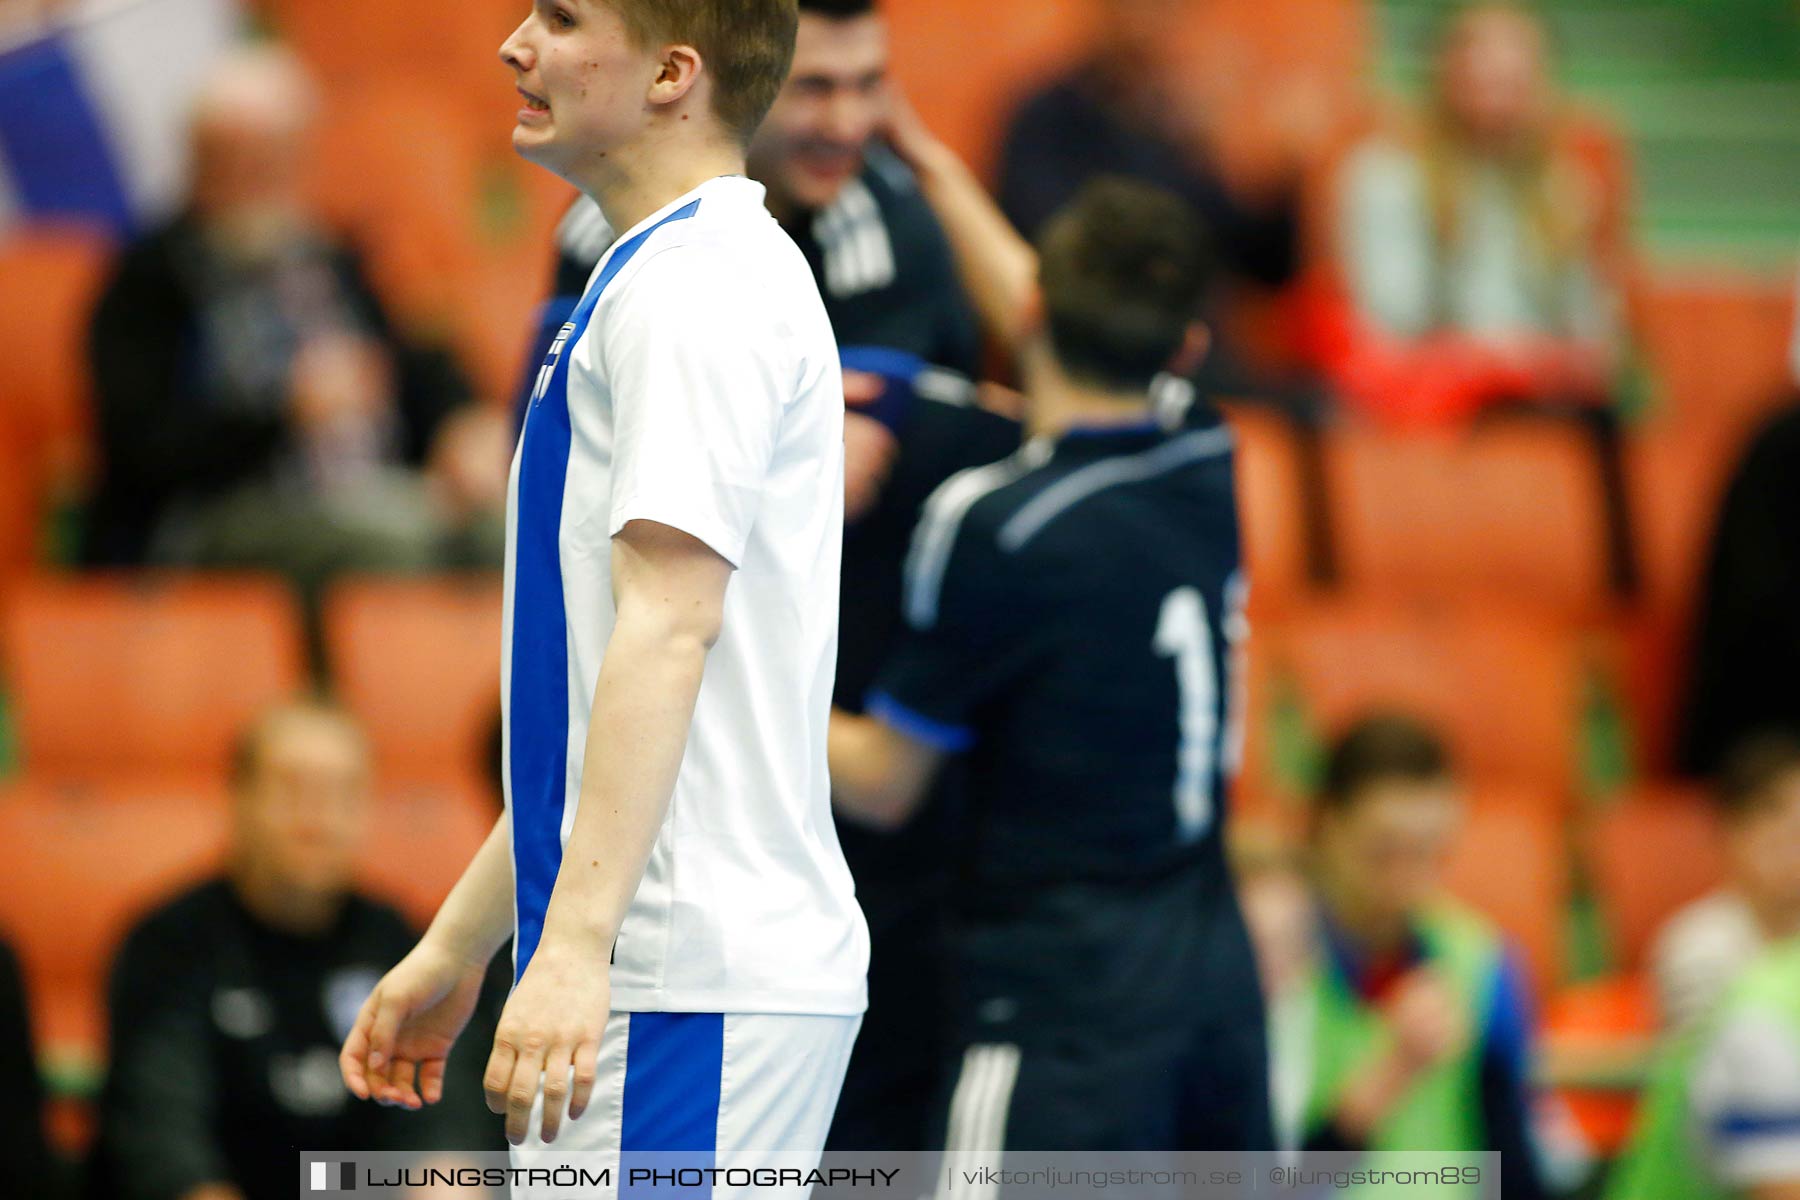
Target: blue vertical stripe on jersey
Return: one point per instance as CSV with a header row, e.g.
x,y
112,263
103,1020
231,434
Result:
x,y
538,716
669,1119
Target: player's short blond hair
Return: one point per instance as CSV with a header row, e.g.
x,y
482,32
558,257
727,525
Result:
x,y
747,45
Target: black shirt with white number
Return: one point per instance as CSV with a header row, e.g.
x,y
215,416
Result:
x,y
1073,613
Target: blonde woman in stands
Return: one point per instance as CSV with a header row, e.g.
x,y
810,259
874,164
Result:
x,y
1480,249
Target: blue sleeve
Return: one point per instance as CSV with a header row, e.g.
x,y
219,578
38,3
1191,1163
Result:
x,y
967,634
1505,1080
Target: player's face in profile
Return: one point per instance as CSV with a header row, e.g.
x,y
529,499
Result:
x,y
301,812
1385,855
813,140
582,84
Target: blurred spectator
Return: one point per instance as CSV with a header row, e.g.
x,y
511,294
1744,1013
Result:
x,y
22,1146
1721,1119
1709,943
1473,247
890,288
1139,106
1417,1027
228,1004
1131,109
1746,655
255,405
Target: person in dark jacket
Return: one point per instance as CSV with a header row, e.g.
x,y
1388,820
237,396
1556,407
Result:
x,y
255,405
228,1003
1746,652
1122,111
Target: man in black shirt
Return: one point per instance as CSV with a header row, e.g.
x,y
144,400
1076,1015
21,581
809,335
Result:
x,y
228,1004
255,406
888,282
1074,613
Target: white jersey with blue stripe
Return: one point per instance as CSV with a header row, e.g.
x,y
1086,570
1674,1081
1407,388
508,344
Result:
x,y
696,385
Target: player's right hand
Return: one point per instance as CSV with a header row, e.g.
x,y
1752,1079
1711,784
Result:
x,y
397,1049
870,447
1426,1019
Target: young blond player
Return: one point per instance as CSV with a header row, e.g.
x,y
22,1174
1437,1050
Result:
x,y
667,862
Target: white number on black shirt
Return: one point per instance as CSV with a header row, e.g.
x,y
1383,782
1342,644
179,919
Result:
x,y
1182,634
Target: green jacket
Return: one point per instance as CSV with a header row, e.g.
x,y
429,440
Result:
x,y
1667,1158
1442,1112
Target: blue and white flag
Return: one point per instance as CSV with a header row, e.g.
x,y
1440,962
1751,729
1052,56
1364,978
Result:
x,y
94,108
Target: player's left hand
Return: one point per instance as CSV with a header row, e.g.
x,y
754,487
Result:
x,y
869,453
549,1030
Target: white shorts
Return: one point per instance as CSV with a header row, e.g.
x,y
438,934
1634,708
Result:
x,y
725,1090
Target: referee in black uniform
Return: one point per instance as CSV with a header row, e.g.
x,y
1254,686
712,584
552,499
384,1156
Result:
x,y
1074,614
888,281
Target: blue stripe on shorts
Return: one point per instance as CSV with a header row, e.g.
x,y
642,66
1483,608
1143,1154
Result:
x,y
670,1118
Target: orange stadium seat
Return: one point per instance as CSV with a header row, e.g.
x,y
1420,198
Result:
x,y
1511,510
419,662
20,507
457,226
1020,43
1509,862
53,276
1676,482
1254,52
1651,853
420,838
1502,686
414,217
144,674
1272,505
1720,349
82,862
362,41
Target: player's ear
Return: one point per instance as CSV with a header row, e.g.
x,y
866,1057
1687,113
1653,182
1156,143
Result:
x,y
679,71
1194,346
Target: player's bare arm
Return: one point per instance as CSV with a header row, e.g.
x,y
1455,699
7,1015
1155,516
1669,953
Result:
x,y
998,266
396,1051
878,774
669,589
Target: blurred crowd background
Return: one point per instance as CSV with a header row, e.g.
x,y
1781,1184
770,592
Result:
x,y
1506,336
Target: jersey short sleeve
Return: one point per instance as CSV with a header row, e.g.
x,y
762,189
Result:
x,y
700,373
1746,1097
964,636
